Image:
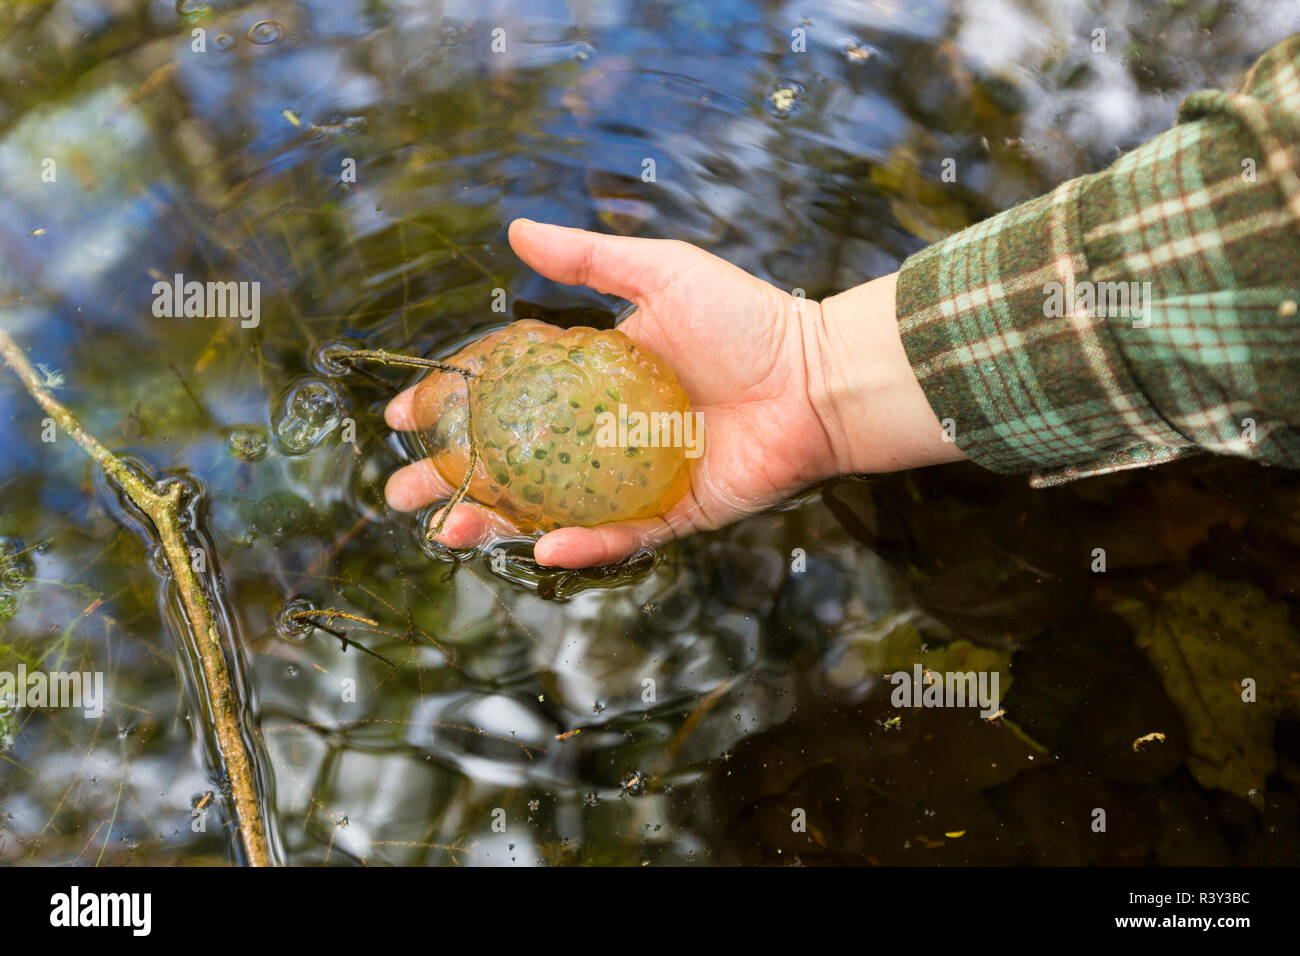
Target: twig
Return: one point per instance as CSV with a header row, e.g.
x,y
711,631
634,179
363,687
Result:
x,y
330,614
347,356
164,512
311,617
463,490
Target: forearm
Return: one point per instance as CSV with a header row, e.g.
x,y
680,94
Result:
x,y
1127,318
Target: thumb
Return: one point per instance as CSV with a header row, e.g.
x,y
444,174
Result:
x,y
619,265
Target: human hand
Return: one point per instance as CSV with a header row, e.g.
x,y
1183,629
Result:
x,y
737,346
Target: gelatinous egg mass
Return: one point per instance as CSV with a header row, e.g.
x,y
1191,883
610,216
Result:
x,y
547,404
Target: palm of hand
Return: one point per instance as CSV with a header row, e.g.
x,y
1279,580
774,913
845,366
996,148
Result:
x,y
735,345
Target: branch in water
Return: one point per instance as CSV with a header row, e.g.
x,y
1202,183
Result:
x,y
164,512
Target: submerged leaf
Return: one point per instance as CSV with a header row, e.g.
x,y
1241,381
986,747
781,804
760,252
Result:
x,y
961,656
1207,639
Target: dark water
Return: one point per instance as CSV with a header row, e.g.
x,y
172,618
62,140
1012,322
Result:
x,y
722,687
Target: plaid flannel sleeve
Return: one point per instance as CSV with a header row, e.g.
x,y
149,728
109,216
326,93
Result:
x,y
1133,316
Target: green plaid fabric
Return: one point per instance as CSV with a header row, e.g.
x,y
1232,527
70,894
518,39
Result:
x,y
1133,316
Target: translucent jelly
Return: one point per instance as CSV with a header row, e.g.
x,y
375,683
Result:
x,y
543,400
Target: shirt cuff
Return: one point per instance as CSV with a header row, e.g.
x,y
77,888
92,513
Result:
x,y
999,329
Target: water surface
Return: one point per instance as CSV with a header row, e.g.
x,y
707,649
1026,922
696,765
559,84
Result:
x,y
721,686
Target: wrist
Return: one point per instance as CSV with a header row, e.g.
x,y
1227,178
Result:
x,y
861,385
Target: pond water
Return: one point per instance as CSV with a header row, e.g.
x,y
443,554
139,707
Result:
x,y
360,161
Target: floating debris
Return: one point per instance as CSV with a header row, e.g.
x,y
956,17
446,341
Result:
x,y
857,53
1154,737
785,97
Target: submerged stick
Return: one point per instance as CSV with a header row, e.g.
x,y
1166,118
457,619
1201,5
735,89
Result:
x,y
392,358
164,512
463,490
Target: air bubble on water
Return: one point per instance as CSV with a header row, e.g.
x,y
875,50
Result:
x,y
329,358
295,628
8,724
291,671
189,8
583,53
16,569
223,42
191,488
158,562
784,97
264,32
306,412
247,442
